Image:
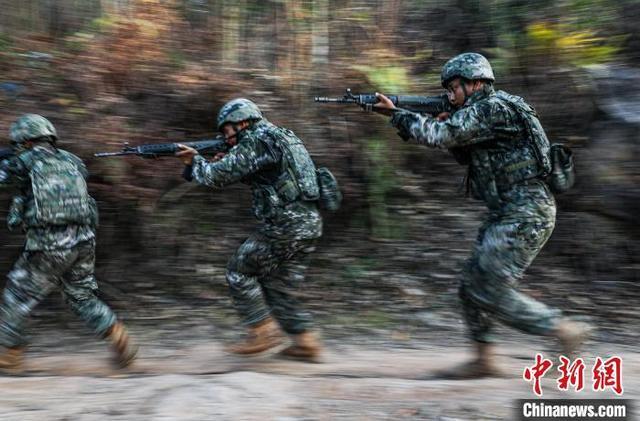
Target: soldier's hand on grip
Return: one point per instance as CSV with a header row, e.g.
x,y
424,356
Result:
x,y
218,157
186,154
384,106
443,116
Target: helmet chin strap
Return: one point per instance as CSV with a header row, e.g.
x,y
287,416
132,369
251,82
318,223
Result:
x,y
464,89
237,130
52,141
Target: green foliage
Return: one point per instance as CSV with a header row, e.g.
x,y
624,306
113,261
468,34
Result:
x,y
78,42
6,42
101,24
376,319
358,270
578,47
386,78
431,79
82,39
567,32
586,15
360,15
382,181
176,58
502,59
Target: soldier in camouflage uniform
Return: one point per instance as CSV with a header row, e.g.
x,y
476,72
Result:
x,y
269,266
506,171
59,218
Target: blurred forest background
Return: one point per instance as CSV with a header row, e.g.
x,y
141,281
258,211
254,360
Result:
x,y
109,71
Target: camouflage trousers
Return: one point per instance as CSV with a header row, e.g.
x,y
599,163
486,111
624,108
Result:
x,y
264,275
36,274
504,249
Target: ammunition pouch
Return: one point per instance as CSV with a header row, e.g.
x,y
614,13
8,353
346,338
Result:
x,y
269,198
492,173
287,189
563,175
330,194
266,202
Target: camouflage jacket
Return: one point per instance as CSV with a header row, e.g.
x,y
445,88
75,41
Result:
x,y
257,160
486,134
14,172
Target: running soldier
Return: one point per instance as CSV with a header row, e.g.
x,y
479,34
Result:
x,y
269,266
59,218
508,159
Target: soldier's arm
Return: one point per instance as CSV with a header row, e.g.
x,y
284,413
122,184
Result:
x,y
249,156
12,172
5,177
465,127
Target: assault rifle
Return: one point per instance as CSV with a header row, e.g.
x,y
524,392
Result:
x,y
433,105
6,153
157,150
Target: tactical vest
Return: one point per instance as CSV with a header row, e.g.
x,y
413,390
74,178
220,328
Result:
x,y
512,157
536,134
294,180
298,169
59,191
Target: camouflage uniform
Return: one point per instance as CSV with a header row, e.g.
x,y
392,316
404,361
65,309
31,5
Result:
x,y
54,255
487,135
269,266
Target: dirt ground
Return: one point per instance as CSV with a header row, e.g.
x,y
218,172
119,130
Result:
x,y
186,375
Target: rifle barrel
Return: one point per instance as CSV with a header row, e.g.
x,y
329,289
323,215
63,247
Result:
x,y
336,100
104,154
157,150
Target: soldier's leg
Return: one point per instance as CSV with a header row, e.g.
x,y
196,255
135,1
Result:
x,y
280,286
80,288
251,262
478,322
29,282
501,258
502,252
32,278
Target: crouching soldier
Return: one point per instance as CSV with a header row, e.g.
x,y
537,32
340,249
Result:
x,y
269,266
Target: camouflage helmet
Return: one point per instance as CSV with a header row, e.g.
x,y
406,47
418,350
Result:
x,y
31,126
471,66
237,110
